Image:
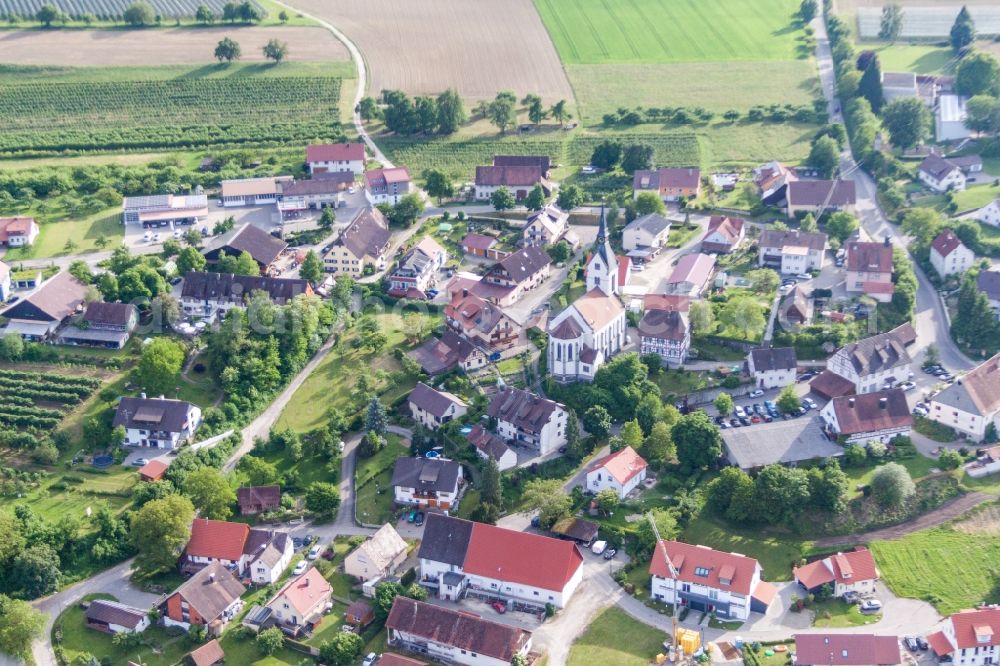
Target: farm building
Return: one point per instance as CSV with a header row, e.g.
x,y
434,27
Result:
x,y
164,210
253,191
949,118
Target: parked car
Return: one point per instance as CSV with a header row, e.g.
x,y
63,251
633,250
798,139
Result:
x,y
922,643
419,520
871,606
803,276
805,376
767,418
610,553
907,386
946,376
723,426
314,552
911,643
809,402
802,411
754,419
300,568
745,421
757,409
933,369
369,659
734,423
770,406
499,607
139,462
919,410
410,517
739,412
756,393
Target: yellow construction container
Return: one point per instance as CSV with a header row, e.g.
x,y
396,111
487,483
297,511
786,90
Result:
x,y
687,639
661,658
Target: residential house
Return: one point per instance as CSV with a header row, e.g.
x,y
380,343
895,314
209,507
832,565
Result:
x,y
949,255
723,235
112,617
949,118
210,597
853,571
899,85
359,614
869,269
300,603
665,332
378,556
39,315
941,174
850,649
988,282
791,252
488,446
972,403
387,186
645,236
670,184
546,227
622,471
987,462
481,245
154,470
666,302
772,367
542,162
968,637
363,244
259,554
258,499
692,275
772,181
709,581
332,157
451,350
881,416
990,213
5,283
529,420
482,323
427,482
18,231
164,210
107,325
819,196
262,246
432,408
209,654
867,365
453,637
797,308
213,294
418,269
458,556
519,180
321,191
518,273
253,191
586,335
159,423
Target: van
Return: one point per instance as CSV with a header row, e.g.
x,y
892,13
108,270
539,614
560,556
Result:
x,y
599,547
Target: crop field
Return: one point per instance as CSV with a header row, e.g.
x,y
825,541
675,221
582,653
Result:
x,y
44,115
929,22
479,48
104,9
662,31
170,46
34,400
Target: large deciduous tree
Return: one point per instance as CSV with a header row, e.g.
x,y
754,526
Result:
x,y
228,50
697,440
977,74
159,531
892,486
159,366
210,493
824,156
907,120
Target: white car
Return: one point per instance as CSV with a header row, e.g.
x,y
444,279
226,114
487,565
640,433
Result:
x,y
739,412
907,386
300,568
920,410
588,169
350,190
370,659
871,606
314,552
803,276
757,393
809,403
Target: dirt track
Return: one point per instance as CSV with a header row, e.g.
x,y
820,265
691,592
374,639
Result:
x,y
178,46
479,47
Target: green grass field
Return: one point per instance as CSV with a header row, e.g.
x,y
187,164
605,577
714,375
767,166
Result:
x,y
615,638
918,58
649,31
838,613
776,553
84,233
951,569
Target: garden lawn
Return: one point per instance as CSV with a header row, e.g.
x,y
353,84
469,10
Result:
x,y
680,382
331,569
976,196
680,235
615,638
242,650
330,626
776,553
917,58
934,430
948,568
841,614
373,480
84,233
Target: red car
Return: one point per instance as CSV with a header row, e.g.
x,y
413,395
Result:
x,y
499,607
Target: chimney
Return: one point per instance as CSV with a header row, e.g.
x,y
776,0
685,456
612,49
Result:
x,y
883,403
211,578
887,241
850,402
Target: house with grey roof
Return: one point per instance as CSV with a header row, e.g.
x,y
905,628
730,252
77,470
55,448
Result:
x,y
988,282
432,408
645,236
427,482
364,244
262,246
971,403
488,446
112,617
772,367
159,423
791,251
108,325
210,598
527,419
867,365
451,350
39,315
666,333
518,273
881,416
209,295
819,196
380,555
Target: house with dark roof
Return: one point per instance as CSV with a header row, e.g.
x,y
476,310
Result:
x,y
724,234
797,307
454,637
819,196
482,245
433,408
772,181
210,597
584,532
621,471
481,322
988,282
418,270
846,650
949,255
212,295
526,419
853,571
867,365
772,367
968,637
325,190
941,174
40,314
108,325
645,236
259,554
882,416
791,251
112,617
451,350
488,446
258,499
435,483
387,186
707,580
546,227
160,423
262,246
519,180
668,183
364,244
543,162
517,274
334,157
458,555
972,402
869,269
666,332
378,556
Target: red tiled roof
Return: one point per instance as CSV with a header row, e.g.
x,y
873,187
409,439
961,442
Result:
x,y
871,287
666,302
208,654
831,385
624,464
946,243
217,539
393,659
154,469
846,650
335,152
867,413
765,592
624,264
15,226
693,268
495,552
687,558
306,591
969,623
859,563
478,241
940,643
869,257
730,227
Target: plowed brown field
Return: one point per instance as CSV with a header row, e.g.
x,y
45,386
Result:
x,y
425,46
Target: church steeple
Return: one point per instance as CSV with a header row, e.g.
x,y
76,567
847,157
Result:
x,y
602,269
602,230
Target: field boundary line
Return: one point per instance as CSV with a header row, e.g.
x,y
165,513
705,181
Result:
x,y
557,17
